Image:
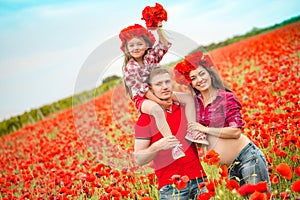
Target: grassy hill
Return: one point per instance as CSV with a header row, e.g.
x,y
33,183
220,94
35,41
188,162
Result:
x,y
16,122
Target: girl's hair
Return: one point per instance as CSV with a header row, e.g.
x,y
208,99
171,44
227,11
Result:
x,y
127,57
216,80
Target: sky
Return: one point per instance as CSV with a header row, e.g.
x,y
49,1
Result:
x,y
52,49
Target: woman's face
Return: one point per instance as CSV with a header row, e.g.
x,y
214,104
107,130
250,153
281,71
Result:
x,y
137,47
201,79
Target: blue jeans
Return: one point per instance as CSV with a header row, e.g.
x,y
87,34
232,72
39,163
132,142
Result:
x,y
191,191
250,166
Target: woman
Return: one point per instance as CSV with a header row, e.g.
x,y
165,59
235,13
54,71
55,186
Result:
x,y
218,114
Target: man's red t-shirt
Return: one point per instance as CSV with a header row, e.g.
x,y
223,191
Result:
x,y
164,164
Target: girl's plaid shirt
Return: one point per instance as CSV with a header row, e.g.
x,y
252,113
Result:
x,y
135,76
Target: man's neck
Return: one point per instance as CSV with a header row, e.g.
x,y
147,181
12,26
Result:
x,y
170,107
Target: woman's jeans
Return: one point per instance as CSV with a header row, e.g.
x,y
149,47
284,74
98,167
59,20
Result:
x,y
250,166
191,191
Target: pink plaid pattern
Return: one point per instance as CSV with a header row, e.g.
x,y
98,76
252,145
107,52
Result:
x,y
224,111
135,76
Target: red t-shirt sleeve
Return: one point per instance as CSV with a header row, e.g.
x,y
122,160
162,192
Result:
x,y
143,128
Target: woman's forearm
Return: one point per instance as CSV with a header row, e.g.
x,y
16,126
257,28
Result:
x,y
225,132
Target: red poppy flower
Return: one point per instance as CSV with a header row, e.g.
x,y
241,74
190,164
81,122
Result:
x,y
247,189
295,158
274,179
182,72
146,198
296,186
153,15
258,196
212,158
224,172
261,186
284,170
297,171
115,194
199,59
180,181
205,196
284,196
211,186
191,62
232,184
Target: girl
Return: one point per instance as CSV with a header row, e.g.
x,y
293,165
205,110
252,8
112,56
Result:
x,y
218,114
140,58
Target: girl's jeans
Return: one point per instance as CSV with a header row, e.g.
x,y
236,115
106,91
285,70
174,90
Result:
x,y
250,166
191,191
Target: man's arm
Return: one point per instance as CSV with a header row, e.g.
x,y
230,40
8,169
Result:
x,y
144,153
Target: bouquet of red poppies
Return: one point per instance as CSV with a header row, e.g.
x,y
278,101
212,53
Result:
x,y
154,15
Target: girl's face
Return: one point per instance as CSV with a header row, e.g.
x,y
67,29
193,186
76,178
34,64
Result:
x,y
137,47
201,79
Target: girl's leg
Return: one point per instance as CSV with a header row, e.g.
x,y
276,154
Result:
x,y
190,108
190,113
152,108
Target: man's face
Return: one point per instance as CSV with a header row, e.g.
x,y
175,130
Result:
x,y
161,86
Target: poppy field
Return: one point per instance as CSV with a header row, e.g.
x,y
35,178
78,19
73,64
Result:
x,y
85,152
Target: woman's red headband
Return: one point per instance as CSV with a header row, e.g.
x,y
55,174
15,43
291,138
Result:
x,y
191,62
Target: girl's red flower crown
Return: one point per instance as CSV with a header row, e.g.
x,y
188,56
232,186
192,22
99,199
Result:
x,y
191,62
135,30
153,15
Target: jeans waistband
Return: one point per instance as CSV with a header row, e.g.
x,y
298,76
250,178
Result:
x,y
249,146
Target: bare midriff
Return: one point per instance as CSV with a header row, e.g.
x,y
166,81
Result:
x,y
227,148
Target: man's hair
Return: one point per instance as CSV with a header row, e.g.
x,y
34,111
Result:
x,y
156,71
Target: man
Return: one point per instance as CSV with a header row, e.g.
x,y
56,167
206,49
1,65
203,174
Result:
x,y
150,145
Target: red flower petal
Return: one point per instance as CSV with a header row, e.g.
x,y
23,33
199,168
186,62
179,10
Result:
x,y
284,170
296,186
232,184
246,189
212,158
261,187
258,196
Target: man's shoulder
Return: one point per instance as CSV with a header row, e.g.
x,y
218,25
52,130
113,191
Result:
x,y
144,120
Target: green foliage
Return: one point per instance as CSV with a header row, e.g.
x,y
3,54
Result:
x,y
110,78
